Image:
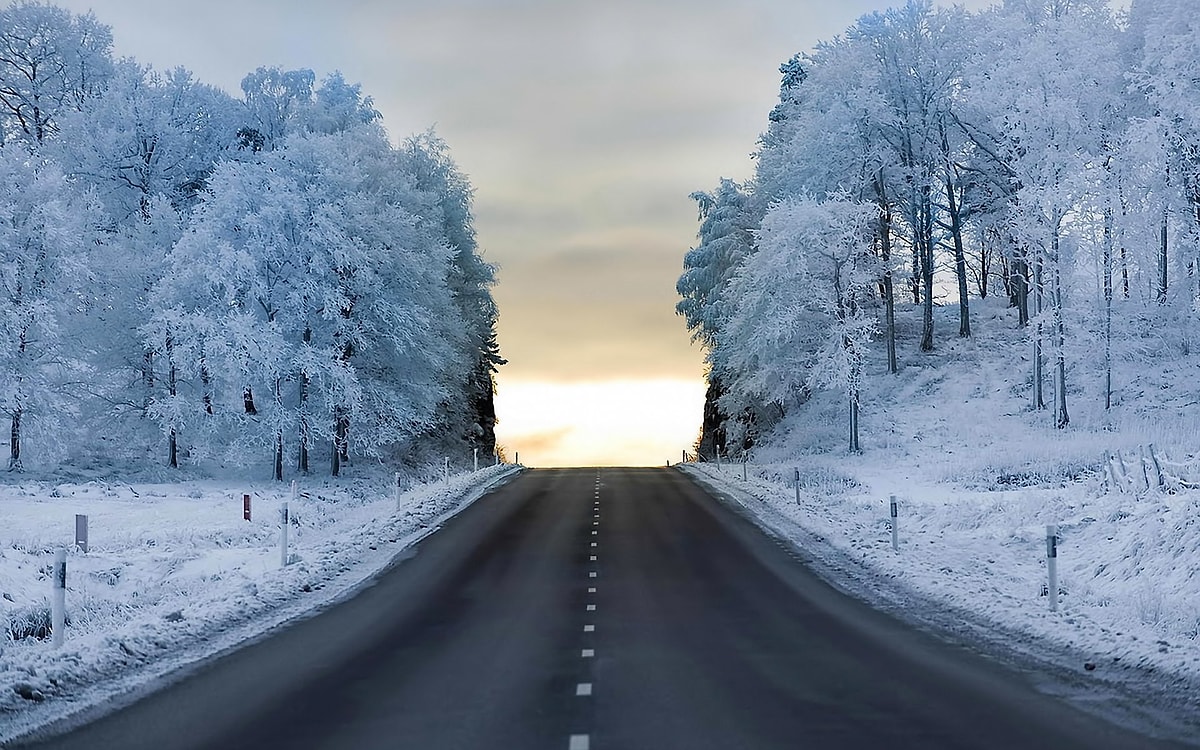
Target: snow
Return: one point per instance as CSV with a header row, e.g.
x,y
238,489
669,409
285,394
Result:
x,y
978,475
174,575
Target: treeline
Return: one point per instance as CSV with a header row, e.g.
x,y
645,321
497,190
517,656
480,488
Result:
x,y
190,276
1046,149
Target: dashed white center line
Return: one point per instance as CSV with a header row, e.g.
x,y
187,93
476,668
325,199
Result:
x,y
591,608
591,589
589,628
592,574
594,544
580,742
588,653
594,532
583,688
593,558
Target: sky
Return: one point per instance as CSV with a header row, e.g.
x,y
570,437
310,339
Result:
x,y
584,127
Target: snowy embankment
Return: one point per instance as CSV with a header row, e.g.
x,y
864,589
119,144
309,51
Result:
x,y
174,574
978,476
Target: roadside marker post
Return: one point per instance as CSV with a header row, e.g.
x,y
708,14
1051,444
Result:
x,y
1052,565
396,491
476,459
284,521
81,533
58,601
895,526
796,480
744,461
446,470
245,507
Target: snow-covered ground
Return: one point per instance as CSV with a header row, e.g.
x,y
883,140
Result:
x,y
978,476
174,574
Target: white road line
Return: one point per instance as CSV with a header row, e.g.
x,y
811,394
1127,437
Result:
x,y
580,742
583,688
593,558
592,574
594,544
589,628
591,608
594,532
588,653
591,589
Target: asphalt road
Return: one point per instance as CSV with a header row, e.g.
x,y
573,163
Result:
x,y
595,609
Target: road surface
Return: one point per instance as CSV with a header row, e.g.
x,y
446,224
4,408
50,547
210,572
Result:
x,y
591,609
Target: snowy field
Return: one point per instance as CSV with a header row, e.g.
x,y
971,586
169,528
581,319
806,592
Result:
x,y
174,574
978,476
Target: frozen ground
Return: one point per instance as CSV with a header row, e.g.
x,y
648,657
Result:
x,y
174,574
978,475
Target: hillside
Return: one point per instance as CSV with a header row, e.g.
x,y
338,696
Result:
x,y
978,475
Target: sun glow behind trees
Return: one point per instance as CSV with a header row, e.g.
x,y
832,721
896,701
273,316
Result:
x,y
599,423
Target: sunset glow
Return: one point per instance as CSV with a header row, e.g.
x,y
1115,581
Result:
x,y
603,423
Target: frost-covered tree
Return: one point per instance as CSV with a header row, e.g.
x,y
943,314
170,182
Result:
x,y
724,243
51,62
48,230
799,321
470,413
329,290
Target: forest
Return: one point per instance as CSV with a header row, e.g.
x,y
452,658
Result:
x,y
1045,152
189,277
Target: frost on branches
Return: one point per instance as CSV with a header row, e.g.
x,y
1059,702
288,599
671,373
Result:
x,y
188,276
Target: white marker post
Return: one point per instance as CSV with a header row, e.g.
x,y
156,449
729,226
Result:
x,y
58,600
476,459
284,521
744,461
895,526
396,491
797,483
81,533
446,470
1052,564
517,458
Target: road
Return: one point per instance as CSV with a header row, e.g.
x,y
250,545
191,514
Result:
x,y
592,610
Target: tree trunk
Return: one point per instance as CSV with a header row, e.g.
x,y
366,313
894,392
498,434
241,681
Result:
x,y
14,455
172,391
1162,260
854,444
278,433
915,283
926,232
1039,400
341,432
1108,304
960,262
1020,286
147,379
303,437
1061,417
206,384
248,400
885,253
